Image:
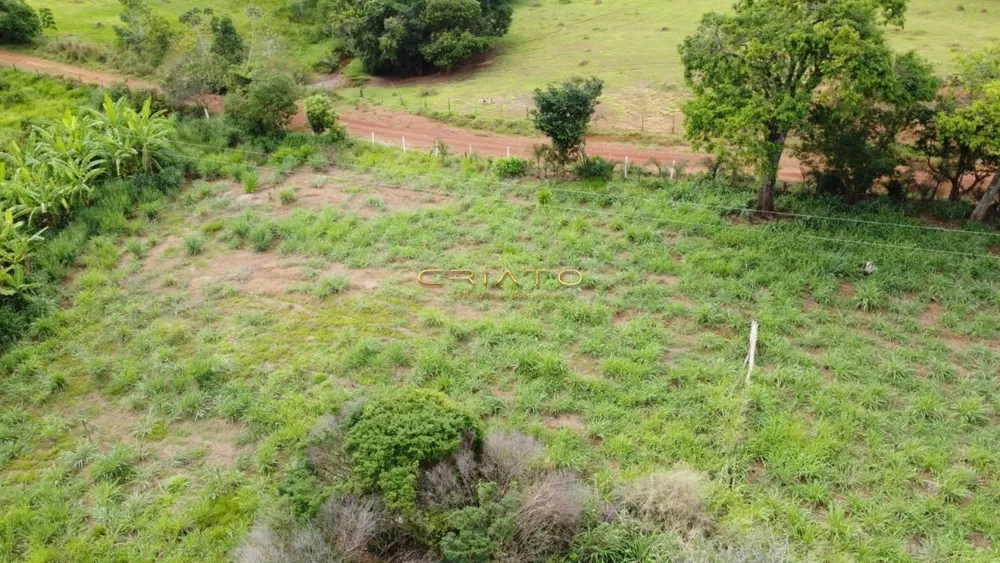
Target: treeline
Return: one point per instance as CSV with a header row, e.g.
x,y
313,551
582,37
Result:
x,y
63,184
818,79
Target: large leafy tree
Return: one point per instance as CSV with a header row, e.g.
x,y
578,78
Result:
x,y
265,106
412,37
978,126
563,113
756,72
854,136
18,22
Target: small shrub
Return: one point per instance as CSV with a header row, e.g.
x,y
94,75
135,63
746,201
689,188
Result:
x,y
397,432
351,523
510,167
595,168
549,516
674,500
510,457
194,244
320,113
544,197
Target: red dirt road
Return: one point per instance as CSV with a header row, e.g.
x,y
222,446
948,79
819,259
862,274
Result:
x,y
391,127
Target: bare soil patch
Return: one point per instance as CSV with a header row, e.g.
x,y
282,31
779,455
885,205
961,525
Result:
x,y
256,273
350,194
571,421
106,423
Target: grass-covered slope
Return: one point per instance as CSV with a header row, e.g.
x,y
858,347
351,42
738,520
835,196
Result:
x,y
164,407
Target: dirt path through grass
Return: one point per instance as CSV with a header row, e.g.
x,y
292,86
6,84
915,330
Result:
x,y
420,132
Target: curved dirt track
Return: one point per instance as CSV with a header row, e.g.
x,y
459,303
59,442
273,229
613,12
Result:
x,y
391,127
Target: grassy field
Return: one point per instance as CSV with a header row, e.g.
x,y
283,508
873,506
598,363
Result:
x,y
165,406
27,99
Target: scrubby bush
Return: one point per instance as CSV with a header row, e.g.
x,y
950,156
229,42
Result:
x,y
265,107
397,432
510,167
320,113
674,500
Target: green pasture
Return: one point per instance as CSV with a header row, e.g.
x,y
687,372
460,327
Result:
x,y
164,406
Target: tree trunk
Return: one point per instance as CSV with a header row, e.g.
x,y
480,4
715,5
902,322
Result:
x,y
765,200
769,175
979,214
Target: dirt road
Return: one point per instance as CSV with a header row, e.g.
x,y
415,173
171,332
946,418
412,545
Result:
x,y
420,132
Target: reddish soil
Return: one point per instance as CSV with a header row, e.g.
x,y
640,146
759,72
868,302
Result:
x,y
420,132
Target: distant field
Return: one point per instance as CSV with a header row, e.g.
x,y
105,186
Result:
x,y
632,44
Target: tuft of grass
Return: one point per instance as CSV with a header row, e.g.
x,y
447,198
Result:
x,y
261,237
331,286
286,196
194,244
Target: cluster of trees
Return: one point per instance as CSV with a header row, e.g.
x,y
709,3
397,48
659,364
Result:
x,y
413,37
821,73
20,23
60,169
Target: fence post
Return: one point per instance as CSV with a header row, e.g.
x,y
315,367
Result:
x,y
373,138
508,152
673,117
673,168
626,168
449,105
470,150
404,144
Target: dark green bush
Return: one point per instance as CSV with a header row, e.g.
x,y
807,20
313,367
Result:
x,y
595,168
18,22
397,432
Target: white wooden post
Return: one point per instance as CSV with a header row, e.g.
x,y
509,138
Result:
x,y
373,138
404,144
752,352
626,168
673,167
508,152
470,150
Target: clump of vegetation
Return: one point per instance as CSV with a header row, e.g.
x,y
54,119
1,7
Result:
x,y
143,36
510,167
419,36
19,23
320,113
563,113
265,107
595,168
397,432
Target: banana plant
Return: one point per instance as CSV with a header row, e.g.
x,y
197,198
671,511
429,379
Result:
x,y
15,247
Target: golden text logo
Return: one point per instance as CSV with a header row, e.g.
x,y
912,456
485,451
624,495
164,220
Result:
x,y
436,278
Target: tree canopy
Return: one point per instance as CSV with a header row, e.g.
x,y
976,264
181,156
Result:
x,y
413,37
18,22
756,72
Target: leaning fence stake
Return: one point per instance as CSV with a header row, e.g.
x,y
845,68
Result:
x,y
752,353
